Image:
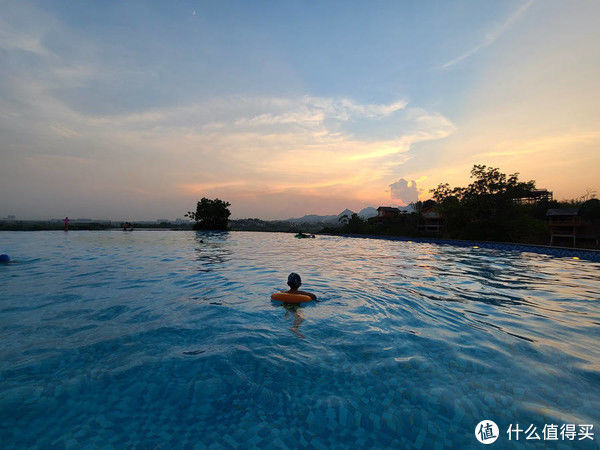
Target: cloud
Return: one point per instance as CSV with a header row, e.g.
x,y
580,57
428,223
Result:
x,y
12,38
305,146
218,147
492,35
404,191
296,147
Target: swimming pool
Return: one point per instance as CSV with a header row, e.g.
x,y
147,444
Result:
x,y
154,339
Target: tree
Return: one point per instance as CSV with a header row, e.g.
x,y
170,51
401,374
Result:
x,y
486,208
589,194
489,181
355,223
210,214
344,219
590,210
352,224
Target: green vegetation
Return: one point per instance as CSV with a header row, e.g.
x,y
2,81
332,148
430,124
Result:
x,y
210,214
404,225
489,208
49,225
273,225
41,225
590,210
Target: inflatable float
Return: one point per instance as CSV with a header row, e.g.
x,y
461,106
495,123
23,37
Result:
x,y
290,298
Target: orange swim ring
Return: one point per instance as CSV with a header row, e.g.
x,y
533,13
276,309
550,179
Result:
x,y
290,298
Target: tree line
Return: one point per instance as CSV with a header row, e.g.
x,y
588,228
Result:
x,y
488,208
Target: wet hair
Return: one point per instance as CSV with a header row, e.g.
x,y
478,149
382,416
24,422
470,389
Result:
x,y
294,280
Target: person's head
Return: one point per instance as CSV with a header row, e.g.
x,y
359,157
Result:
x,y
294,280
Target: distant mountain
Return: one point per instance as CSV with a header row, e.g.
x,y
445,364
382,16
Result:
x,y
364,214
346,212
311,218
367,213
408,208
314,218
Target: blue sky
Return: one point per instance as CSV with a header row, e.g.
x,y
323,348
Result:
x,y
136,109
191,50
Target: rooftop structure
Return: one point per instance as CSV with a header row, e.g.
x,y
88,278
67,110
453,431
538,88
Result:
x,y
536,196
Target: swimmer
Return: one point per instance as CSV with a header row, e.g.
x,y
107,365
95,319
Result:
x,y
302,235
294,282
66,223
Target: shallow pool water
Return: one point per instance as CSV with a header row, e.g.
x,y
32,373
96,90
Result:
x,y
154,339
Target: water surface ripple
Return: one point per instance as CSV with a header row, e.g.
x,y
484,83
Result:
x,y
155,339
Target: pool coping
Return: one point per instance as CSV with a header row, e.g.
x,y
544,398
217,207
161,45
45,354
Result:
x,y
564,252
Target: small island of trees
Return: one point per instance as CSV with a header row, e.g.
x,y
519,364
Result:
x,y
210,214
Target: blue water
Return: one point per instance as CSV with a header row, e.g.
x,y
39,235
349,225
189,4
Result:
x,y
153,339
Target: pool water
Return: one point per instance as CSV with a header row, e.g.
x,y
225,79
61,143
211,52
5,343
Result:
x,y
153,339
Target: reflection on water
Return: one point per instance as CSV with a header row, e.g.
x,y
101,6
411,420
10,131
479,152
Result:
x,y
169,339
211,249
298,316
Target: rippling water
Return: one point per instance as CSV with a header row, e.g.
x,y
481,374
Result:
x,y
154,339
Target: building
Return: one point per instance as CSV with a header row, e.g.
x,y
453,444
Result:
x,y
536,196
566,225
431,221
387,212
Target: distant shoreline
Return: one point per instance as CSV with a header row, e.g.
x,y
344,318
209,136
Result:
x,y
46,225
585,253
234,225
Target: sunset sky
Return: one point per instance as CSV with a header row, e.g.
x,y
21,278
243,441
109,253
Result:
x,y
136,110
